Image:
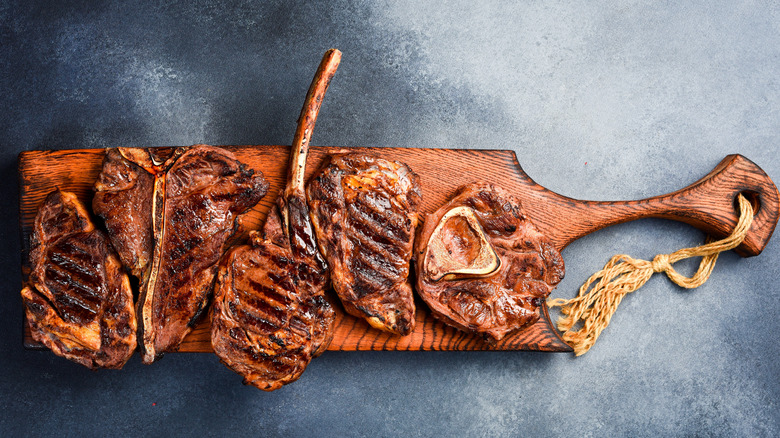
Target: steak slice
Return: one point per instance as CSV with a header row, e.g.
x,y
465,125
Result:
x,y
123,199
482,266
365,213
270,315
169,212
78,301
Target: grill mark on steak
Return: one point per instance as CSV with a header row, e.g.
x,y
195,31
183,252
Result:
x,y
366,281
364,218
74,280
370,232
364,240
263,303
270,293
283,281
381,264
385,224
263,317
64,287
495,303
364,210
74,253
63,278
253,309
78,300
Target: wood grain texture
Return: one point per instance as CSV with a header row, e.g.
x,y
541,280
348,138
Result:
x,y
707,204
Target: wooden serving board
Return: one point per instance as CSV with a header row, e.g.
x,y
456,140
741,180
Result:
x,y
707,204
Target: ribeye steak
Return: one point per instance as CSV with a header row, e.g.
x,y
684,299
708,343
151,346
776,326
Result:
x,y
78,301
270,315
365,213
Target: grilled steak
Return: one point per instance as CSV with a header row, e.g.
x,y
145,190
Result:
x,y
78,301
187,202
270,315
482,267
123,198
364,210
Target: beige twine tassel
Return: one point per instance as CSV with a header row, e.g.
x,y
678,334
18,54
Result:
x,y
623,275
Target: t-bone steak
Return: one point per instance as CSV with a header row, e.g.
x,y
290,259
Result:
x,y
170,213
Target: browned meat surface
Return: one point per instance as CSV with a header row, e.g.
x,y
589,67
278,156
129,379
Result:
x,y
123,198
78,301
365,213
170,212
482,267
270,315
205,189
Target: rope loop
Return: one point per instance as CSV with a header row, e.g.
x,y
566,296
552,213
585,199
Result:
x,y
601,294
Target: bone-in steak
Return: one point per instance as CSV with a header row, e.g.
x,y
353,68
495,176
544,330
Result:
x,y
270,315
189,210
78,301
482,266
364,210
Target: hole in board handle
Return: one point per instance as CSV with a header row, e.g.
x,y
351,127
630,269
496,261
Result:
x,y
753,197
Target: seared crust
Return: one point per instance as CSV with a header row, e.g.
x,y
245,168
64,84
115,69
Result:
x,y
508,299
169,213
78,302
365,212
195,204
266,324
123,199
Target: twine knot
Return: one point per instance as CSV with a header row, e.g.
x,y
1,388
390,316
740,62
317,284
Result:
x,y
661,263
623,275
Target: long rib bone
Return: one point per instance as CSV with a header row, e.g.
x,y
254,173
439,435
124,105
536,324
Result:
x,y
307,119
292,202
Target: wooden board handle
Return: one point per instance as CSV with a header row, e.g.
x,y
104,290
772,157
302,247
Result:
x,y
709,204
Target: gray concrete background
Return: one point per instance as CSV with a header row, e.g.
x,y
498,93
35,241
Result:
x,y
600,100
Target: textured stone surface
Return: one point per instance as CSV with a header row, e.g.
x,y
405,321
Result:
x,y
611,100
